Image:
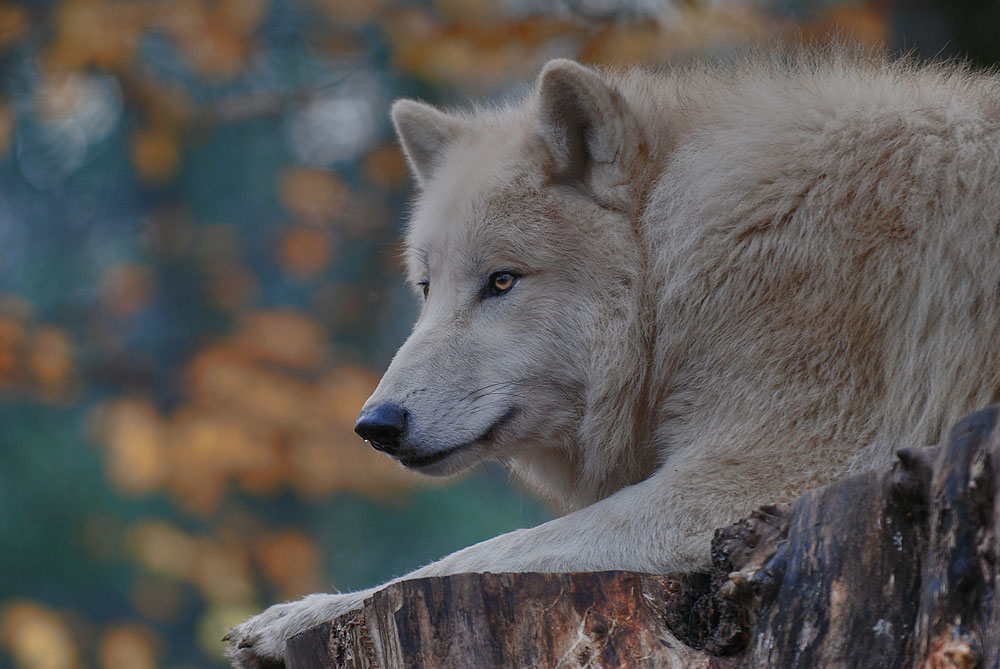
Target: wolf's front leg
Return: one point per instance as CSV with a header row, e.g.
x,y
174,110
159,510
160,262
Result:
x,y
662,524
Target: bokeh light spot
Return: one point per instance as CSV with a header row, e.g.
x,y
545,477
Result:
x,y
37,636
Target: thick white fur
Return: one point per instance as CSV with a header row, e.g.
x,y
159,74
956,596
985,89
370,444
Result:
x,y
736,284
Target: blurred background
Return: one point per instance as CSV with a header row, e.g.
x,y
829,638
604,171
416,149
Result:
x,y
200,208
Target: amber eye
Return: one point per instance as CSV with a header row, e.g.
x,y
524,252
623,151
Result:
x,y
425,286
501,282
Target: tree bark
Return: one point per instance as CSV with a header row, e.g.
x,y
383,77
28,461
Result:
x,y
891,568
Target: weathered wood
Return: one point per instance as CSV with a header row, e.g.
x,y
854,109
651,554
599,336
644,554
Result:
x,y
890,568
957,625
312,650
605,619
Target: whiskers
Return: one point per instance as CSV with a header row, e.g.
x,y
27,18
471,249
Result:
x,y
480,399
529,394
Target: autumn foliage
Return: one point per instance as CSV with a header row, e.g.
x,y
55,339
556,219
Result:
x,y
200,205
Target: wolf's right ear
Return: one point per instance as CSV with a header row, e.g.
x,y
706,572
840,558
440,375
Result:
x,y
424,132
587,128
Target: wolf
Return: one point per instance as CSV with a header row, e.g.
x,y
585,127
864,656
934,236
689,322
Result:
x,y
664,298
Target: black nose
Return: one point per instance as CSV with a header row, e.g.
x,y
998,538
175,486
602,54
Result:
x,y
382,426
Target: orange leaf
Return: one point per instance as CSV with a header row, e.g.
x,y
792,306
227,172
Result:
x,y
163,549
385,166
50,360
128,645
93,33
156,154
312,193
243,16
14,22
37,636
291,561
284,337
6,128
138,461
12,334
222,574
305,252
343,392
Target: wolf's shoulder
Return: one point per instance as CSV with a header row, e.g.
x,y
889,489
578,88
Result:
x,y
835,77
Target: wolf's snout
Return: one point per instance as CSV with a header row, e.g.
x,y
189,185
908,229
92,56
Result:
x,y
382,426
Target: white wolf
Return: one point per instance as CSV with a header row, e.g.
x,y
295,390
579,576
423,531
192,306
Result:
x,y
663,299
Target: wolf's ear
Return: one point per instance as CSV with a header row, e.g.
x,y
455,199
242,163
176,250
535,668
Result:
x,y
424,132
586,125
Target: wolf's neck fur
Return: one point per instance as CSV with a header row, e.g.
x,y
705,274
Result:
x,y
619,423
615,445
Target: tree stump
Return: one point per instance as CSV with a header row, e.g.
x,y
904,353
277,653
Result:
x,y
890,568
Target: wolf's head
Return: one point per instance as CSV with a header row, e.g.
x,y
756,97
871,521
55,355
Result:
x,y
525,250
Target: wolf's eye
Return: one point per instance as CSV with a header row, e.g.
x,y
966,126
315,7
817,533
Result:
x,y
425,286
501,282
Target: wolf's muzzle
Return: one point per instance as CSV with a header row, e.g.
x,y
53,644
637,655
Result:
x,y
383,426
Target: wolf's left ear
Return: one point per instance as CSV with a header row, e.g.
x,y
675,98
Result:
x,y
425,133
586,126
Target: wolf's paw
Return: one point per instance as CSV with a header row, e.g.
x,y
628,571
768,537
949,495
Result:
x,y
259,643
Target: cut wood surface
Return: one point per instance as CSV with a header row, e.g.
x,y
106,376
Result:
x,y
893,568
